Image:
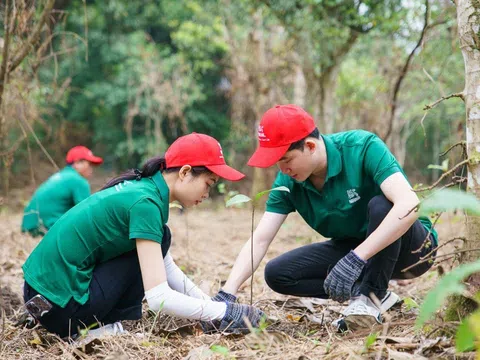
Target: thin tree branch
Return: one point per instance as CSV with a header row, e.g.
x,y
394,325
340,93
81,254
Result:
x,y
435,103
6,43
461,143
444,175
439,256
14,147
32,39
403,73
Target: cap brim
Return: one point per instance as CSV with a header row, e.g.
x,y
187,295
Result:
x,y
94,159
265,157
226,172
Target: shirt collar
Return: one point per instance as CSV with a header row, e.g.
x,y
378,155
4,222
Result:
x,y
164,193
334,158
334,163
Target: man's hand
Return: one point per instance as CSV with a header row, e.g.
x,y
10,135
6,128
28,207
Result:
x,y
339,282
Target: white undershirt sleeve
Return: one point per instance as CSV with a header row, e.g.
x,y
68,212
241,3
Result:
x,y
180,282
163,298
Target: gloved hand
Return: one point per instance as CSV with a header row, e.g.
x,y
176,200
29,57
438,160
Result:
x,y
209,327
224,296
339,282
233,321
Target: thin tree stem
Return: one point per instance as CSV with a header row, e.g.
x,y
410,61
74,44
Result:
x,y
251,253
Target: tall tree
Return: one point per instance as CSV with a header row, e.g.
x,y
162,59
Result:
x,y
468,17
21,36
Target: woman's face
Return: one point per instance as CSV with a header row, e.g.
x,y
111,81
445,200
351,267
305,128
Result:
x,y
192,190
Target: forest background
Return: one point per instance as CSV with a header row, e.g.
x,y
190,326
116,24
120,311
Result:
x,y
126,78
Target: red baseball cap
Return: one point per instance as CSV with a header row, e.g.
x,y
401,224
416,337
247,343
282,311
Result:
x,y
78,153
200,150
279,127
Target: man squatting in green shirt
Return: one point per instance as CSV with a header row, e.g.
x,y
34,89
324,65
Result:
x,y
350,188
62,191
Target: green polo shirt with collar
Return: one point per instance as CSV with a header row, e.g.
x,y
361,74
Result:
x,y
357,163
62,191
98,229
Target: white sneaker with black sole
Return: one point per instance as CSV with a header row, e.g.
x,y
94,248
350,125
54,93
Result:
x,y
362,312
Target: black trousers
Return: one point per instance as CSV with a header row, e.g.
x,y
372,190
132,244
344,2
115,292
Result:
x,y
302,272
116,293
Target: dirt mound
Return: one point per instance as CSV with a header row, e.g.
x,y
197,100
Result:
x,y
9,301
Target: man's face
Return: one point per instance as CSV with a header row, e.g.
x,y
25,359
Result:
x,y
84,168
298,164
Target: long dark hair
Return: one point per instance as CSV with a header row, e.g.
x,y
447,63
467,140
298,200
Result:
x,y
149,169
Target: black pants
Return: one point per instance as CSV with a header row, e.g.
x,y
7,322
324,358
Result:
x,y
116,293
302,272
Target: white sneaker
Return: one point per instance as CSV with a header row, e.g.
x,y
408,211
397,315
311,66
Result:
x,y
103,331
362,312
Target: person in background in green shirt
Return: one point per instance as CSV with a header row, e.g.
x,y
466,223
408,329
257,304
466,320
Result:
x,y
62,191
103,256
350,188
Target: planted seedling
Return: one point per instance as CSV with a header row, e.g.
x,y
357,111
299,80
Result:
x,y
241,199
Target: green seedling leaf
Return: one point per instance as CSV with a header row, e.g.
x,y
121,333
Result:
x,y
410,304
370,340
450,199
450,284
220,350
238,199
279,188
464,338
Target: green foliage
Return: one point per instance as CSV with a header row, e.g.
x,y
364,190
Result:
x,y
450,199
410,303
240,198
370,340
450,284
222,350
464,337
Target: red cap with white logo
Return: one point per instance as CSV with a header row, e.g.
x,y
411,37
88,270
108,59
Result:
x,y
200,150
78,153
280,127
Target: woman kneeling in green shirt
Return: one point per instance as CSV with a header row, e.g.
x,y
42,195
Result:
x,y
103,256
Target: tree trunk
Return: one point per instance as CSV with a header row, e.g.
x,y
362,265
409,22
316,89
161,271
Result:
x,y
468,20
468,17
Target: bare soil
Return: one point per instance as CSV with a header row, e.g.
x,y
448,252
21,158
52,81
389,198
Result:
x,y
205,244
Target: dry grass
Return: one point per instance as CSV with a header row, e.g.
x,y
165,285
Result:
x,y
205,244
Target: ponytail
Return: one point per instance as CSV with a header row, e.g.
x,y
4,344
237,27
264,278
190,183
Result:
x,y
149,169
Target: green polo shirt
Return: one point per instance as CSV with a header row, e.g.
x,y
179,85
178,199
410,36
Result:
x,y
357,163
98,229
62,191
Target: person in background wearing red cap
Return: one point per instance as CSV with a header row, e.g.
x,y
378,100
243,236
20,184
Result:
x,y
62,191
98,262
350,188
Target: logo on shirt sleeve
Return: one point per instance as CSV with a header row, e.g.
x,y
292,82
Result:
x,y
353,196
